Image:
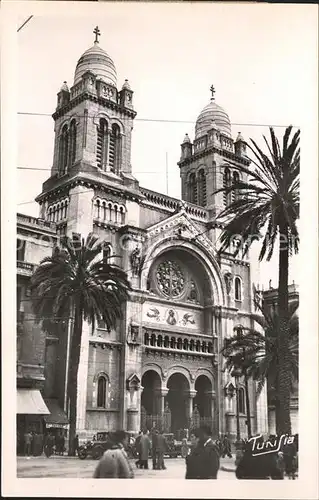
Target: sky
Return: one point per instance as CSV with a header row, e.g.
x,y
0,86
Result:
x,y
171,54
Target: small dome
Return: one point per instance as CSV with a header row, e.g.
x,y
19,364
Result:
x,y
126,85
240,137
211,116
99,63
186,139
64,87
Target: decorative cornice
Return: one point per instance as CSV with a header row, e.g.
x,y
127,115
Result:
x,y
86,96
222,152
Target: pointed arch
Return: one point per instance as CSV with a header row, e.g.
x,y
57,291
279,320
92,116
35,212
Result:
x,y
72,142
102,144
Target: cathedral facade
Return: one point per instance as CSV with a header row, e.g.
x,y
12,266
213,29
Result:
x,y
162,363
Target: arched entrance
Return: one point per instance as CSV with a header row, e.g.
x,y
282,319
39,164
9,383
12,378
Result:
x,y
150,399
203,400
177,399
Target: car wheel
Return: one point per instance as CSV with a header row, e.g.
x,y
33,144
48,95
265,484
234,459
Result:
x,y
82,453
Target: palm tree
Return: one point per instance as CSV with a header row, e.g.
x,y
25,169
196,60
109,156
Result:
x,y
73,283
264,366
268,200
240,352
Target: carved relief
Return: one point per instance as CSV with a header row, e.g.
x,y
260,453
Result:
x,y
228,280
153,313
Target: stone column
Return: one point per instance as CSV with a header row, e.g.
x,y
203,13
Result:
x,y
191,396
211,404
162,395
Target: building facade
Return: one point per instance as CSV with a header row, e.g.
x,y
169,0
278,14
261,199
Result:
x,y
161,364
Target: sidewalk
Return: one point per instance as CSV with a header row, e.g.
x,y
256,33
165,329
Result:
x,y
228,464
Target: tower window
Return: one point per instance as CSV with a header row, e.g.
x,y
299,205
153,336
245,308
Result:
x,y
101,391
63,150
192,187
202,198
102,144
72,141
241,400
226,184
114,154
238,293
235,181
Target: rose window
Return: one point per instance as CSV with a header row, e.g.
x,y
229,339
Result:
x,y
170,278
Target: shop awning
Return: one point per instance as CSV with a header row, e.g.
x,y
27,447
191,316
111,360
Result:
x,y
57,417
30,402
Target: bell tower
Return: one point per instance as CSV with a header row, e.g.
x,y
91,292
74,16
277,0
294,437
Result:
x,y
204,162
92,147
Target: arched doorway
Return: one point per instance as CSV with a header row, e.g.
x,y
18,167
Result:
x,y
177,399
203,399
150,399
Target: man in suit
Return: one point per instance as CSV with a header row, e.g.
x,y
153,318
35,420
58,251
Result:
x,y
160,448
208,455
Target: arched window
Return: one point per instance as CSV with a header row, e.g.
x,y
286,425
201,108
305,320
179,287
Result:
x,y
198,346
173,343
238,292
226,184
238,330
153,340
159,341
72,143
185,345
101,391
191,345
210,347
192,189
115,148
179,343
241,400
166,341
107,252
102,144
235,181
202,198
64,150
146,338
103,211
204,347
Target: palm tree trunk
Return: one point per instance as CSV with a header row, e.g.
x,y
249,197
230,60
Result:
x,y
247,407
284,382
73,375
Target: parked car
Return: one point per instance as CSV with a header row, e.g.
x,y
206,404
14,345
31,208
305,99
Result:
x,y
95,447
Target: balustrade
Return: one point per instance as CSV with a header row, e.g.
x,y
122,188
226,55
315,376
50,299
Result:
x,y
180,343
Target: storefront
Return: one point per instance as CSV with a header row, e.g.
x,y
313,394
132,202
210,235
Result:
x,y
31,409
56,422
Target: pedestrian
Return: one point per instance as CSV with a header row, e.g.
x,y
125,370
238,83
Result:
x,y
203,461
138,449
184,448
161,448
290,459
76,443
28,443
144,449
114,462
226,447
210,455
154,434
49,444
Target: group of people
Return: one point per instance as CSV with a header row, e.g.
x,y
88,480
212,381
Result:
x,y
153,442
273,465
35,443
202,461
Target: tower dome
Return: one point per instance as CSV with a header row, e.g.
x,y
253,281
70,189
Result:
x,y
98,62
210,116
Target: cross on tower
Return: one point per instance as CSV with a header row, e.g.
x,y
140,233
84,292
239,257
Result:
x,y
212,89
97,33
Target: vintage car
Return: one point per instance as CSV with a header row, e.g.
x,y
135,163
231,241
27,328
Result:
x,y
96,446
102,442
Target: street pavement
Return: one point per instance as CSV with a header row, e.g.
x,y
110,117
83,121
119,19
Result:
x,y
71,467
